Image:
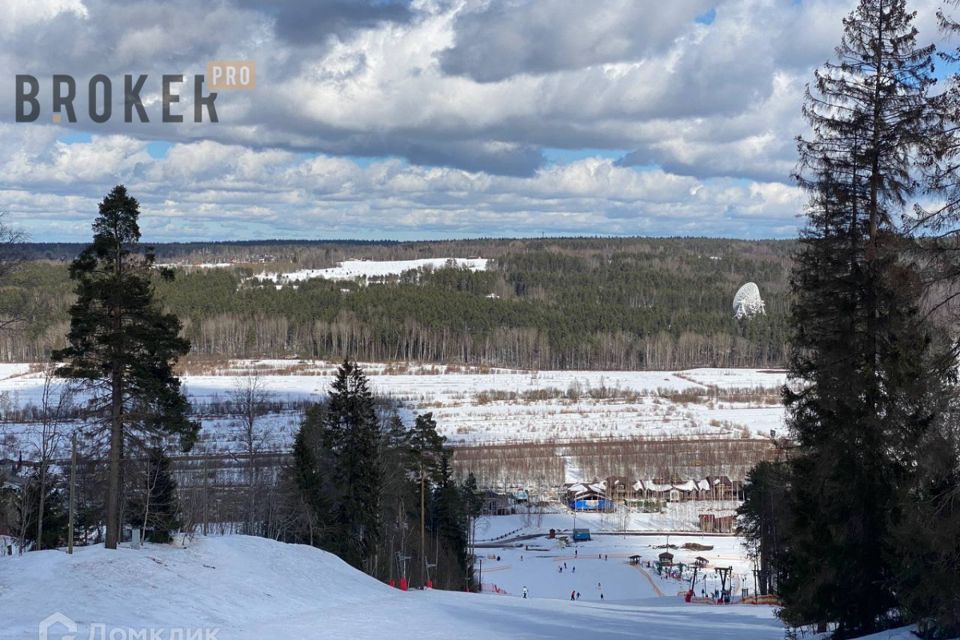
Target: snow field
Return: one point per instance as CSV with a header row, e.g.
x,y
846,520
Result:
x,y
498,405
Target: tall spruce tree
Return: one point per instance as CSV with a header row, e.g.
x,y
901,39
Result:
x,y
426,447
862,389
309,480
351,433
450,524
122,344
762,523
929,536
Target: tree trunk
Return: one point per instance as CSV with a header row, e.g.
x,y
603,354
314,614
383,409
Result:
x,y
116,444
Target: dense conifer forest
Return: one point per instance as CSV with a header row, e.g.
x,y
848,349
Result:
x,y
579,303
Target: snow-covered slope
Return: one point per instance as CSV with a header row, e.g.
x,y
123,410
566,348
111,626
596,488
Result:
x,y
257,588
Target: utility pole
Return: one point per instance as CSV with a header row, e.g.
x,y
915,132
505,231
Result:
x,y
205,480
73,489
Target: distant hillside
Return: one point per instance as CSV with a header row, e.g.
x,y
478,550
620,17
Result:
x,y
577,303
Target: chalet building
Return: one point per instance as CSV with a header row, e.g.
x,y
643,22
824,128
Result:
x,y
652,489
711,523
497,504
669,491
723,488
619,488
684,491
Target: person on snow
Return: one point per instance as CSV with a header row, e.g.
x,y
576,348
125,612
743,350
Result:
x,y
573,594
524,593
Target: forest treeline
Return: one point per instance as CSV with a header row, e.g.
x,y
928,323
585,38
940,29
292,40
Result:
x,y
547,304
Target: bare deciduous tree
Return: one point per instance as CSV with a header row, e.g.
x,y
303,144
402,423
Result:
x,y
249,397
57,401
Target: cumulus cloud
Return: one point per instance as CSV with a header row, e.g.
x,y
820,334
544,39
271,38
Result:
x,y
386,116
497,40
230,189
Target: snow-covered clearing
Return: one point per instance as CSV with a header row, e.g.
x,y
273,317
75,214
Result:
x,y
359,269
472,405
257,588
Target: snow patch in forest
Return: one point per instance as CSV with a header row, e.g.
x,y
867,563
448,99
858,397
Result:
x,y
365,269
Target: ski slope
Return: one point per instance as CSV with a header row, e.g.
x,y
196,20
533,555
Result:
x,y
255,588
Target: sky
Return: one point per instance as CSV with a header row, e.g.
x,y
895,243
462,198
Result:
x,y
423,119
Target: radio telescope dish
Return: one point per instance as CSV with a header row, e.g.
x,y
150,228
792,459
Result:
x,y
747,302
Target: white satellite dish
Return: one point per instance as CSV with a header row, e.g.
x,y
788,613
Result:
x,y
748,302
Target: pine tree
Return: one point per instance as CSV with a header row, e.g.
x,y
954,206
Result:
x,y
863,387
352,433
122,344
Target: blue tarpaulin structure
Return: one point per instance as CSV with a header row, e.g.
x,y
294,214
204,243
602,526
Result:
x,y
592,504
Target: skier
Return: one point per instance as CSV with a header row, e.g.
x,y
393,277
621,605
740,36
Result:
x,y
578,595
572,594
574,570
524,592
601,595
